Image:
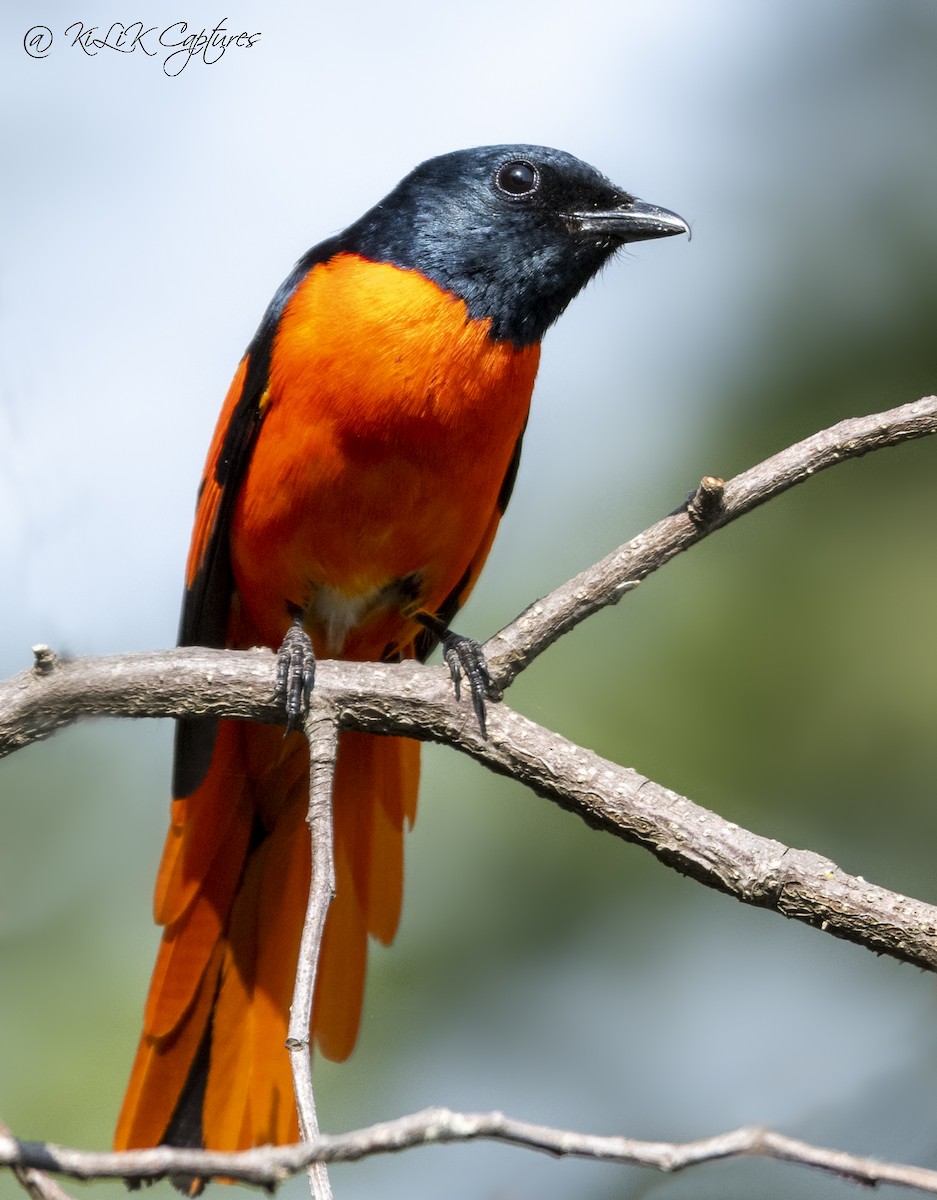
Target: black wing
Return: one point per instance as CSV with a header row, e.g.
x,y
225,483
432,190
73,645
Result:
x,y
207,603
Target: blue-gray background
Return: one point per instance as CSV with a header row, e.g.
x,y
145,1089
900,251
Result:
x,y
783,674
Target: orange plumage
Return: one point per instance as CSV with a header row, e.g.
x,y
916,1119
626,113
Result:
x,y
364,455
315,522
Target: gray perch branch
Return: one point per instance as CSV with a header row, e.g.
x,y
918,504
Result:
x,y
269,1166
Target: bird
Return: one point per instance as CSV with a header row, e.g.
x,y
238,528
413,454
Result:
x,y
365,453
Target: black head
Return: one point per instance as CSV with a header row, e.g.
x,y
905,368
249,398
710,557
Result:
x,y
514,231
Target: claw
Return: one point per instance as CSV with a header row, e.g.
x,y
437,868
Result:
x,y
296,674
465,655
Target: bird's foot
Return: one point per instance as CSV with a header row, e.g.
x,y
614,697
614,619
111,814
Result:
x,y
296,673
464,656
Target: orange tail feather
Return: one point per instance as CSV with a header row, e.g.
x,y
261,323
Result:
x,y
212,1066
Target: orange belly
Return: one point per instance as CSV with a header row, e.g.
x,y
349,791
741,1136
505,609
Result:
x,y
360,476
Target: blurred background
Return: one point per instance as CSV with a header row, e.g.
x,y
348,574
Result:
x,y
784,673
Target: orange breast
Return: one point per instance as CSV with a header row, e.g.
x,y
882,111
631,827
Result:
x,y
391,422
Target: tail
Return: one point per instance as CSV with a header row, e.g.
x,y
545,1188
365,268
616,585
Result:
x,y
212,1068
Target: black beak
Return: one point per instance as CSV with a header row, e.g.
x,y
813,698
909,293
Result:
x,y
632,221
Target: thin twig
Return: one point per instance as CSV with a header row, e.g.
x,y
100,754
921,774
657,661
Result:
x,y
269,1166
321,728
36,1184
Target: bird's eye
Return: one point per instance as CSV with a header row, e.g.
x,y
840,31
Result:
x,y
517,178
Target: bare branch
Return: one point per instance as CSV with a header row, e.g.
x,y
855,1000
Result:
x,y
321,728
57,692
545,621
417,702
36,1184
28,714
271,1165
